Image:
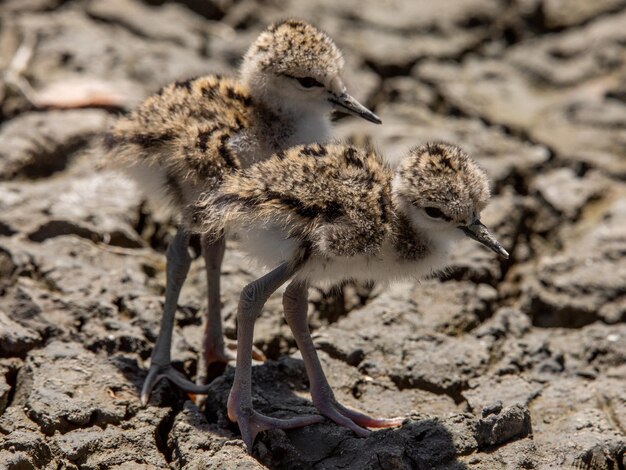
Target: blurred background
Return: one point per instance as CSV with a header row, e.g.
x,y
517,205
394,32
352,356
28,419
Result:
x,y
517,363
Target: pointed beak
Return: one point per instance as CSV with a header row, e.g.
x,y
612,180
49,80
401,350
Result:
x,y
345,102
477,231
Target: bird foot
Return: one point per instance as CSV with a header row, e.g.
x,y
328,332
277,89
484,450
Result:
x,y
251,422
352,419
158,372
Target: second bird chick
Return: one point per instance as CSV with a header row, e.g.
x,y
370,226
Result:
x,y
329,213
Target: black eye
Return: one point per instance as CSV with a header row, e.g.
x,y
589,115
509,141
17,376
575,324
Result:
x,y
308,82
434,213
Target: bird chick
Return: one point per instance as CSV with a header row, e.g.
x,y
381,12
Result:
x,y
181,142
329,213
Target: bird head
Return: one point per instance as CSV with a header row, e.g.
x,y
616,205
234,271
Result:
x,y
443,191
296,66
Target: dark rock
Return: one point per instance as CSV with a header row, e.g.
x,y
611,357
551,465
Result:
x,y
130,65
449,307
581,410
16,340
407,90
36,145
577,12
602,456
30,5
520,453
492,408
367,390
454,307
170,23
525,92
8,374
67,206
591,350
505,323
440,364
498,425
566,193
196,443
20,438
575,56
505,390
5,390
586,281
131,443
63,388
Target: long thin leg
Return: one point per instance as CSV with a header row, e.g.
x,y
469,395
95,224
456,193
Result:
x,y
295,305
178,262
212,338
240,408
214,351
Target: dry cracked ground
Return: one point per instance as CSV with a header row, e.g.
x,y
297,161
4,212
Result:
x,y
496,364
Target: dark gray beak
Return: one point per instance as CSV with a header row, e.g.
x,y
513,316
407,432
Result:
x,y
477,231
345,102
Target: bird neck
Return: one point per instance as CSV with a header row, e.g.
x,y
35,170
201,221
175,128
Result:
x,y
409,243
284,126
413,243
282,119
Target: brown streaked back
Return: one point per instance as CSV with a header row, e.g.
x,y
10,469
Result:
x,y
184,131
335,197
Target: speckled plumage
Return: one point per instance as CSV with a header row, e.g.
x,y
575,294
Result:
x,y
278,48
328,213
184,131
312,190
421,174
181,141
340,211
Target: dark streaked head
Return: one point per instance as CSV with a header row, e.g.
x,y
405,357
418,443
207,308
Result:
x,y
441,189
296,65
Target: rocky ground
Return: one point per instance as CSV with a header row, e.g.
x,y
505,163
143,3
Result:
x,y
497,364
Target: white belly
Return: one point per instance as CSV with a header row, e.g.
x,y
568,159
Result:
x,y
386,267
152,182
270,246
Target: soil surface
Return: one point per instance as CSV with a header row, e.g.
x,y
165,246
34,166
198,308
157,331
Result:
x,y
516,364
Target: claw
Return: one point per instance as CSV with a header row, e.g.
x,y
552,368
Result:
x,y
251,422
352,419
367,421
157,373
255,423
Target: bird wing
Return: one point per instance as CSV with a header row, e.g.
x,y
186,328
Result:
x,y
182,123
183,131
313,193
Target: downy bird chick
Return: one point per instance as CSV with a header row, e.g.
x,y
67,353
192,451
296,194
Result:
x,y
329,213
182,141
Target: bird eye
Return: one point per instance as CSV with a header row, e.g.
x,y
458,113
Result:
x,y
434,213
308,82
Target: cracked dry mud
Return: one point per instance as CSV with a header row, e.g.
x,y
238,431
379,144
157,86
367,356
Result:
x,y
496,364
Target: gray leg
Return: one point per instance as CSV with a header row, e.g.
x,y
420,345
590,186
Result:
x,y
240,408
295,306
212,338
178,262
213,346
